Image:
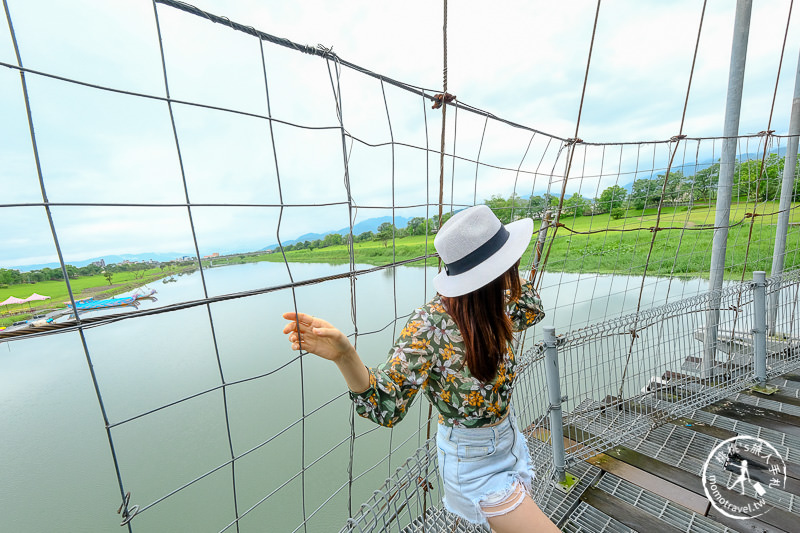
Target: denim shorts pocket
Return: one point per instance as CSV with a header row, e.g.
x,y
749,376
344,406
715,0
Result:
x,y
472,452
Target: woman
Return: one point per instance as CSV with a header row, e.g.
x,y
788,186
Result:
x,y
457,350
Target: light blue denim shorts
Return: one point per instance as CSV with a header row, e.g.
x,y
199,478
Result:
x,y
482,464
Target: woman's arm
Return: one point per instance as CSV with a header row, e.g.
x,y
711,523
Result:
x,y
383,393
320,338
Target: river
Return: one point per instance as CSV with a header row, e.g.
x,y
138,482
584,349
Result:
x,y
56,466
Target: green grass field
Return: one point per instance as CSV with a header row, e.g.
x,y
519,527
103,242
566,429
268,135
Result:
x,y
675,251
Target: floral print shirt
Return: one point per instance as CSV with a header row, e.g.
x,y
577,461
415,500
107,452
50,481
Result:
x,y
429,356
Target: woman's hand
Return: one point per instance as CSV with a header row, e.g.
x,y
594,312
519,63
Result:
x,y
317,336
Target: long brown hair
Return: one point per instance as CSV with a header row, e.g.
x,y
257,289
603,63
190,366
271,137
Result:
x,y
486,328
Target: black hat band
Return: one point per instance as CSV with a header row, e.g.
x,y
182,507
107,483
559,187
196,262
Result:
x,y
479,255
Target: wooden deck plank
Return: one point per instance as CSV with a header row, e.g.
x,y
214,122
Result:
x,y
751,525
684,488
792,469
688,423
777,396
645,480
625,513
773,519
791,376
706,429
791,387
672,474
758,416
651,483
759,471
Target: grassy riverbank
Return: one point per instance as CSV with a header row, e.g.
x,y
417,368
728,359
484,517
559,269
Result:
x,y
82,287
621,250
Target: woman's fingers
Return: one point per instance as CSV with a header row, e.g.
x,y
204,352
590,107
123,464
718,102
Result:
x,y
324,332
305,322
303,318
314,335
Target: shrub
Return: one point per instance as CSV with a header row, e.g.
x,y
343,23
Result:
x,y
617,213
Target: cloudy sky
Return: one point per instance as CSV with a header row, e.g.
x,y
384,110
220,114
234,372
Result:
x,y
524,63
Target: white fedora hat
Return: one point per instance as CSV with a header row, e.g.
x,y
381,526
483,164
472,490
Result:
x,y
476,248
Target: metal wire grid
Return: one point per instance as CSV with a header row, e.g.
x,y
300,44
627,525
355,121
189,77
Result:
x,y
688,450
686,218
541,156
410,500
131,509
783,353
659,507
589,520
610,368
132,506
620,375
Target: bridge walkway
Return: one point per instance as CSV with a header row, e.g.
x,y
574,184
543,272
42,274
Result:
x,y
654,483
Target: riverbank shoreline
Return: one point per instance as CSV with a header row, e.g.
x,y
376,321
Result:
x,y
98,291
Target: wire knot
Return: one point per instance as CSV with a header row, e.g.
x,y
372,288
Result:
x,y
560,225
677,138
127,513
752,215
440,99
424,484
634,334
655,229
326,52
764,133
573,140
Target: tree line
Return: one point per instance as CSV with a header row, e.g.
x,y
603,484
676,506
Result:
x,y
750,182
384,233
9,276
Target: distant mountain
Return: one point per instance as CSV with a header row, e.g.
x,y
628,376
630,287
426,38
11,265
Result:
x,y
146,256
371,224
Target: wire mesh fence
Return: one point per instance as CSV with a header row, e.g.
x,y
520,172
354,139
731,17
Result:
x,y
204,414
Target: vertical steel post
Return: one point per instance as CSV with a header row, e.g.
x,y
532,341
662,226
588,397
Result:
x,y
537,256
733,105
787,187
554,394
760,326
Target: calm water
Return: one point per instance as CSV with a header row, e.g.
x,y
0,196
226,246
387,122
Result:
x,y
55,463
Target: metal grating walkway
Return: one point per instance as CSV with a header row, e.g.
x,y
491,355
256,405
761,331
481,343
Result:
x,y
672,456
